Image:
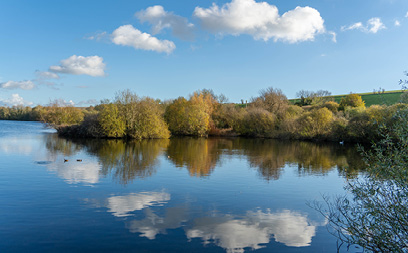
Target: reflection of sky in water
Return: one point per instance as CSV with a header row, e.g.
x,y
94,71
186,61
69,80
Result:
x,y
233,233
121,206
256,228
74,172
17,145
153,224
227,210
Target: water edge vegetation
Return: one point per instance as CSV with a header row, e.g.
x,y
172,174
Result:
x,y
315,116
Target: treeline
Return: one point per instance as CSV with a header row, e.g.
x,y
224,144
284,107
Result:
x,y
24,113
270,115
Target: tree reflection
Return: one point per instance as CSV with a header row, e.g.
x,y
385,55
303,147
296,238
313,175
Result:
x,y
271,156
268,156
198,155
57,145
127,160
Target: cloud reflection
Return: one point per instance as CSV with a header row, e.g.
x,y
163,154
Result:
x,y
77,172
121,206
233,234
153,224
14,145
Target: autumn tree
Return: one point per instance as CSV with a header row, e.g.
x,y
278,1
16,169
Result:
x,y
313,97
257,122
111,121
351,100
57,114
272,100
315,123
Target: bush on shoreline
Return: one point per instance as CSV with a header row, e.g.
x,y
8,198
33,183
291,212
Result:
x,y
204,114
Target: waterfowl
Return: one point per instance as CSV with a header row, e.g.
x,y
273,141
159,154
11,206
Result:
x,y
79,160
65,160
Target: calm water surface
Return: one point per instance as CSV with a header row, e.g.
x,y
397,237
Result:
x,y
181,195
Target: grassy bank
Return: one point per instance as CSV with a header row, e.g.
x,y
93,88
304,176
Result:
x,y
370,98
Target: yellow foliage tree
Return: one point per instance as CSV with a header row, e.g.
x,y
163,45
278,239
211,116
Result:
x,y
112,123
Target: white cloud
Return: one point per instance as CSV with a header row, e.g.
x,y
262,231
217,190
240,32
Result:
x,y
16,100
262,21
253,230
88,102
46,75
161,19
97,36
373,26
354,26
127,35
397,23
334,36
121,206
24,85
81,65
62,102
406,15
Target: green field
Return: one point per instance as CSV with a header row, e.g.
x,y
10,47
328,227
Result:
x,y
387,98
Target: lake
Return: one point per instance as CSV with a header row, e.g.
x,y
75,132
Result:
x,y
180,195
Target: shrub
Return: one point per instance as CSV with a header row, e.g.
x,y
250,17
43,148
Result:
x,y
272,100
188,117
111,121
316,123
147,121
58,115
375,215
257,122
143,118
351,100
332,106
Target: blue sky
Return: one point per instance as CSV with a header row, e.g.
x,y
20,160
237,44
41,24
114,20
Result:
x,y
85,51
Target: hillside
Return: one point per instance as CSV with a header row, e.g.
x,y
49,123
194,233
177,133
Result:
x,y
388,98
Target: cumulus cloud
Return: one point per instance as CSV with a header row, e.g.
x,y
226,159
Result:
x,y
127,35
256,228
397,23
12,85
161,19
15,100
262,21
373,26
81,65
121,206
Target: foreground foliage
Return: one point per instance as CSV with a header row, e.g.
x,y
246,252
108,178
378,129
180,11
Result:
x,y
376,215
